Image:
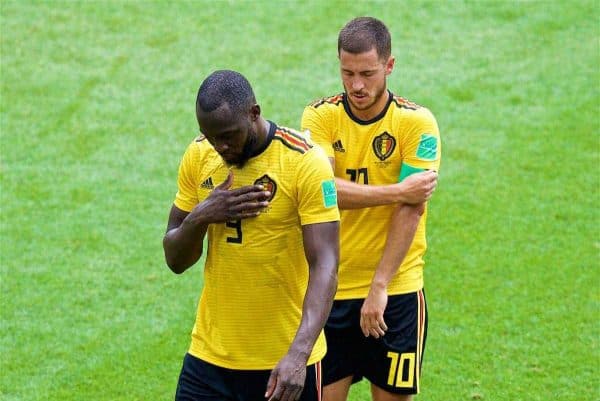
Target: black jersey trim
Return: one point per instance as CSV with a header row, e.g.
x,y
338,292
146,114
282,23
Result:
x,y
374,119
265,145
335,100
291,145
296,135
405,103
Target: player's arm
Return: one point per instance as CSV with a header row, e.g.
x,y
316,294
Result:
x,y
182,242
401,232
423,151
321,247
351,195
319,217
414,190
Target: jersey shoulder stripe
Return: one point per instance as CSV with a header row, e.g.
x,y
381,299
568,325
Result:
x,y
202,146
292,140
404,103
334,100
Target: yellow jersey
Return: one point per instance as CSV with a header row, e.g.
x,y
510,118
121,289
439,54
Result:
x,y
256,273
402,139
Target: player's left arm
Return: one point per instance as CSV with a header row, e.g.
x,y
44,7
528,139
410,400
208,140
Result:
x,y
421,149
319,216
321,247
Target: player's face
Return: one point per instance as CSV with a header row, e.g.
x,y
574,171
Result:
x,y
364,78
232,136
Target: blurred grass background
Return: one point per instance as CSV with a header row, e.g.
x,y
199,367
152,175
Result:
x,y
97,107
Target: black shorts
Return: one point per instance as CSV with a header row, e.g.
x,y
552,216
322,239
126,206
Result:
x,y
392,362
202,381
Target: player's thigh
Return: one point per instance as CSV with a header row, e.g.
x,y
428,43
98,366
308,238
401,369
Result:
x,y
378,394
337,391
394,361
345,344
200,381
342,359
251,385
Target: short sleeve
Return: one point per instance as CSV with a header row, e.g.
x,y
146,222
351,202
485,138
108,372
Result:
x,y
422,147
187,197
317,126
317,196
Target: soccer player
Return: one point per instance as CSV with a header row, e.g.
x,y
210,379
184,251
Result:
x,y
265,197
382,147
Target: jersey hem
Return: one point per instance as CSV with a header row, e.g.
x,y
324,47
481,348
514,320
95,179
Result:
x,y
180,206
307,222
218,362
344,296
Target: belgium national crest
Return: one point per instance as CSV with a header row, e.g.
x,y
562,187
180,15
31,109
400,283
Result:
x,y
384,145
268,184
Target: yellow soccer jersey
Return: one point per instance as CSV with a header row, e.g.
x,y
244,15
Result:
x,y
256,274
403,139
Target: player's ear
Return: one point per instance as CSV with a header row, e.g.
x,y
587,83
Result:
x,y
389,65
254,112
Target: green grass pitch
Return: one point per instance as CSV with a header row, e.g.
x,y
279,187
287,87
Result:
x,y
97,107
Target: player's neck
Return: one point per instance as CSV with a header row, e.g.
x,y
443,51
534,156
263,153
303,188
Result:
x,y
262,133
374,110
259,142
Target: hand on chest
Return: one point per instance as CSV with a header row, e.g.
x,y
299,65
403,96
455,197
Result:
x,y
282,204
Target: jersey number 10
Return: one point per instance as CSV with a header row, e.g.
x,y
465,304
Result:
x,y
399,376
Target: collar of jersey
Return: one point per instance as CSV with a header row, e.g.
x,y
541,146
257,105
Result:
x,y
265,145
372,120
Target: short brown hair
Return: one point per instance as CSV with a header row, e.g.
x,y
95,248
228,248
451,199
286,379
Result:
x,y
364,33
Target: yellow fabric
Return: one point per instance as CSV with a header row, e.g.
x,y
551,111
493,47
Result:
x,y
378,147
251,303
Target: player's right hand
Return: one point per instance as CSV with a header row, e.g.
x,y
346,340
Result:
x,y
372,322
418,188
224,204
286,381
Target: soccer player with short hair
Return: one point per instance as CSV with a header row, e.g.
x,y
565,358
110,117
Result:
x,y
265,197
385,151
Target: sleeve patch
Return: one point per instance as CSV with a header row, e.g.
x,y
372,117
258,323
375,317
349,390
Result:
x,y
329,193
427,149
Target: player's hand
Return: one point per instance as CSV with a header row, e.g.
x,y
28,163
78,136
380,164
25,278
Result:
x,y
287,379
224,204
371,313
417,188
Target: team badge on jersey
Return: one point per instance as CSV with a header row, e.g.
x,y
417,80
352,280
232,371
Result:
x,y
384,145
268,184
